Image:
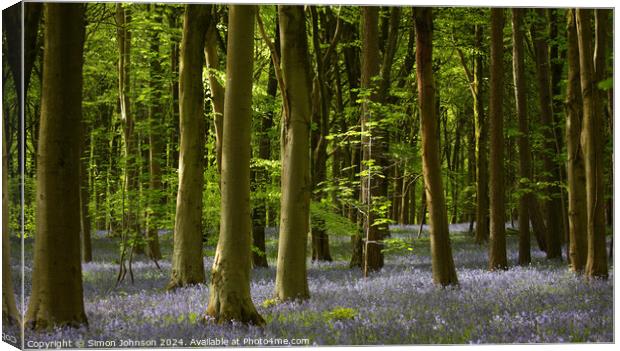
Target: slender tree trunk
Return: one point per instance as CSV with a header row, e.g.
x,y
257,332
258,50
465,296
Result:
x,y
525,157
10,316
85,219
497,242
482,184
577,209
444,272
372,148
57,296
230,276
155,113
291,276
553,239
187,264
259,212
217,90
320,116
592,143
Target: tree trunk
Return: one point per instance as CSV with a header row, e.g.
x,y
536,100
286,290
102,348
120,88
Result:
x,y
592,143
217,90
577,215
187,264
372,148
259,212
85,220
57,296
553,239
444,272
230,276
291,276
156,112
10,316
482,184
525,157
320,116
497,239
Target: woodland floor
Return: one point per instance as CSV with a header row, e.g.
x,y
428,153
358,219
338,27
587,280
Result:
x,y
398,305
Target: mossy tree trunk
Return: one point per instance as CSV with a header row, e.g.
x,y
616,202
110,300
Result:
x,y
187,264
443,269
57,296
230,276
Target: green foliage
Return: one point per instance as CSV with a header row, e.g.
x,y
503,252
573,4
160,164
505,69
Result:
x,y
396,245
324,216
340,313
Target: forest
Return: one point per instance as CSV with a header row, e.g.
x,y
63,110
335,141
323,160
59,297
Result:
x,y
262,175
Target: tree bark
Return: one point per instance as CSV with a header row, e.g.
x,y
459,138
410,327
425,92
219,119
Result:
x,y
230,276
373,140
291,275
217,90
592,143
577,209
57,296
443,269
320,116
525,157
553,239
497,239
482,184
85,220
10,316
187,264
156,112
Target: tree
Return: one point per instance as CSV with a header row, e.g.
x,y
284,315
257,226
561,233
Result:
x,y
497,242
155,114
291,275
230,276
444,272
577,215
373,179
553,203
187,264
57,297
10,316
596,263
259,210
216,89
131,151
482,135
525,157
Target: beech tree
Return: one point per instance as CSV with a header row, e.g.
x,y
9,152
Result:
x,y
596,263
525,157
553,205
444,272
372,140
577,210
497,242
291,275
187,264
57,297
230,276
